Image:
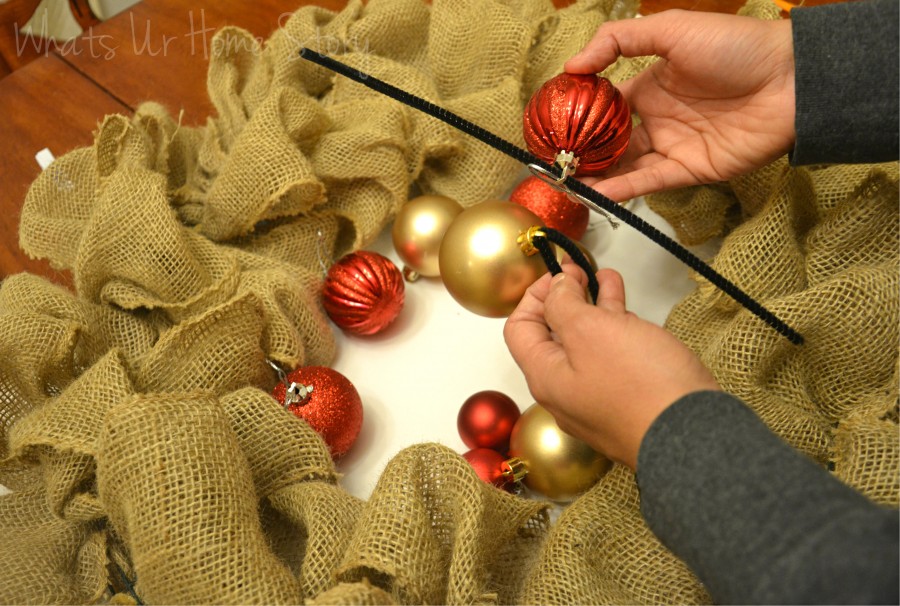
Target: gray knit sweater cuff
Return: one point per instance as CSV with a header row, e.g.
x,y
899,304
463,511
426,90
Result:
x,y
757,521
847,82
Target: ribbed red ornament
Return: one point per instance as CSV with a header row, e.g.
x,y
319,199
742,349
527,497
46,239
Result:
x,y
553,206
579,113
332,408
363,292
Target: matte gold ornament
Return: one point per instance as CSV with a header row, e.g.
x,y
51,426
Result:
x,y
481,263
558,466
418,230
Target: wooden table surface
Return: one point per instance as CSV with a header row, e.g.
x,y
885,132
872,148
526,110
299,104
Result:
x,y
155,51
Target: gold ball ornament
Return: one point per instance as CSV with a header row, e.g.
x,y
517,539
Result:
x,y
558,466
482,264
418,230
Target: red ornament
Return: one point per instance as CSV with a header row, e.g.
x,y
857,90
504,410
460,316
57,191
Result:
x,y
363,292
553,206
486,420
326,400
489,465
583,114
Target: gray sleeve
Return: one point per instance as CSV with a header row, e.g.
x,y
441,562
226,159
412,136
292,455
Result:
x,y
757,521
847,82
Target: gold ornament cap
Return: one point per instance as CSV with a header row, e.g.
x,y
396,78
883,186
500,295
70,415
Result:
x,y
514,469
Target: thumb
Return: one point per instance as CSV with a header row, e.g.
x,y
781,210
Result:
x,y
566,301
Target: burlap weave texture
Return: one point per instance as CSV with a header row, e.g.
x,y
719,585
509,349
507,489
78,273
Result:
x,y
135,423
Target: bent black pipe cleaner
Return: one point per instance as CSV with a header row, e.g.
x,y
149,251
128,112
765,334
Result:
x,y
592,198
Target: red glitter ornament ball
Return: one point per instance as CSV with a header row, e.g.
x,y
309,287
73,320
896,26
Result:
x,y
332,407
488,465
554,207
363,292
486,420
579,113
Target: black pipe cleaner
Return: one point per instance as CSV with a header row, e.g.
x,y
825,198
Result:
x,y
592,198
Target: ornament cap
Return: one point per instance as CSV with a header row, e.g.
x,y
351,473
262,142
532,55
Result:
x,y
296,393
514,469
410,275
568,162
525,240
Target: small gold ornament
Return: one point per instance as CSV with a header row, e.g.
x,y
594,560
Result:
x,y
418,230
559,466
481,262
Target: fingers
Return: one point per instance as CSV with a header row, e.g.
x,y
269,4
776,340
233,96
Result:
x,y
529,340
526,328
648,174
566,300
652,35
612,291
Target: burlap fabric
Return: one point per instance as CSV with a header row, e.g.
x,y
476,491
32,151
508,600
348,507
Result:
x,y
138,435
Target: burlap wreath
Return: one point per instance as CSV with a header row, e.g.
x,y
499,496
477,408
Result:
x,y
135,423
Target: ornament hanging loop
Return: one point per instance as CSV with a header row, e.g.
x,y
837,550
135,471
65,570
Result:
x,y
540,238
558,184
568,162
282,376
320,257
294,393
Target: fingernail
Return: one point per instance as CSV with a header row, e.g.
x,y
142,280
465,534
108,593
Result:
x,y
557,279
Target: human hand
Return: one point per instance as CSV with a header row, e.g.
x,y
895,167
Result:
x,y
719,103
602,372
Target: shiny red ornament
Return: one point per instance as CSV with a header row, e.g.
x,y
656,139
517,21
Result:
x,y
486,420
553,206
489,465
363,292
583,114
328,401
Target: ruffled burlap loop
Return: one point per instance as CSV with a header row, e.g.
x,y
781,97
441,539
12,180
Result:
x,y
819,248
433,533
780,253
281,449
324,32
865,449
136,254
92,395
295,330
48,559
421,136
310,524
359,594
267,174
195,354
558,34
865,215
122,143
57,207
601,552
30,376
180,494
100,328
234,54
